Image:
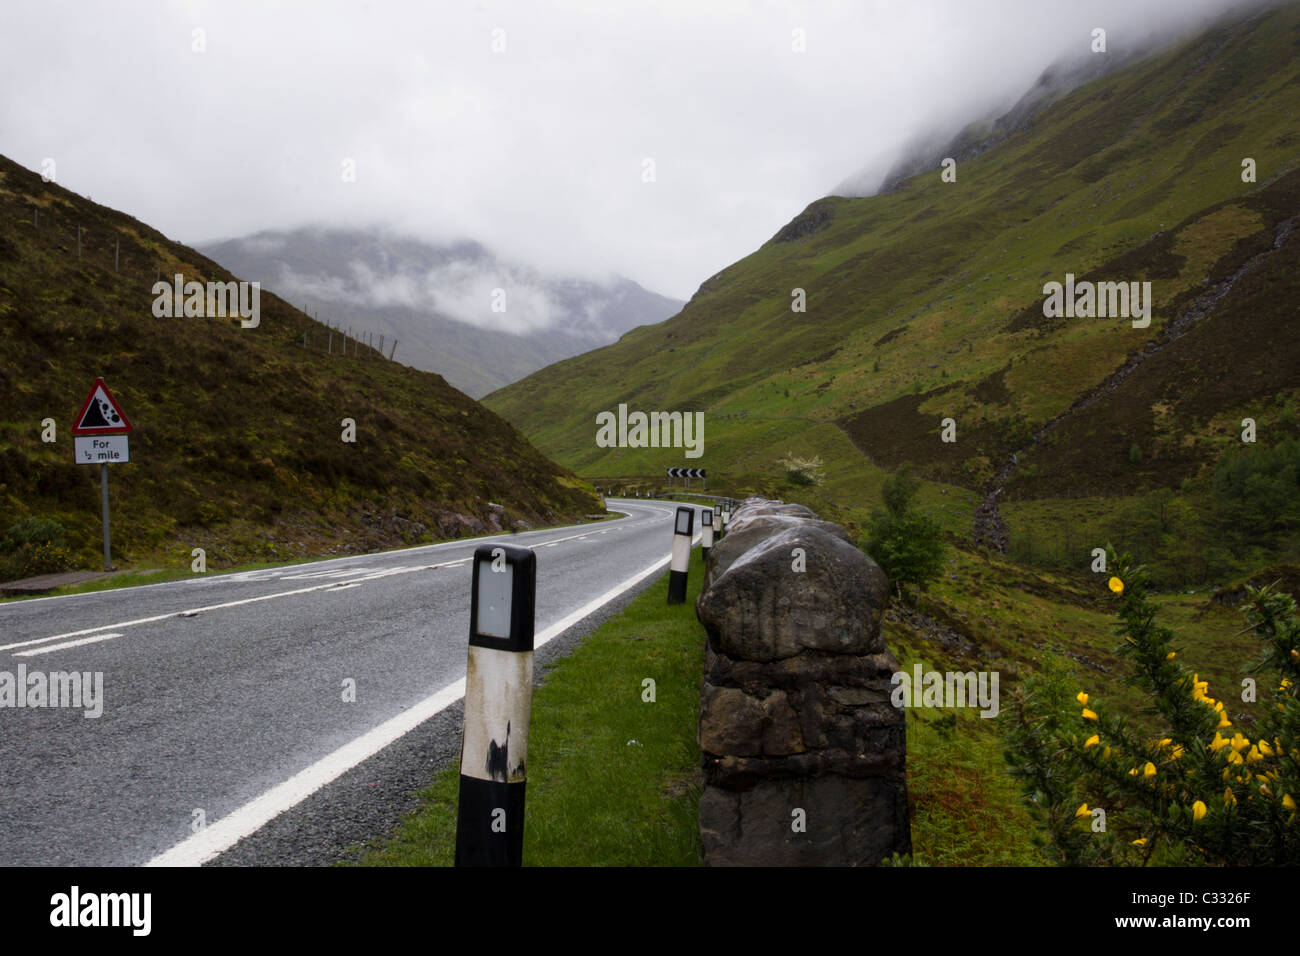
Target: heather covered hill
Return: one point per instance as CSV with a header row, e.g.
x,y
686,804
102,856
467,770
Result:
x,y
238,443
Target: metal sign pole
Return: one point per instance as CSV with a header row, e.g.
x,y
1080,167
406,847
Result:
x,y
103,491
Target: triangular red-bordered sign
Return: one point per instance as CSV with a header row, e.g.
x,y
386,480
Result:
x,y
100,414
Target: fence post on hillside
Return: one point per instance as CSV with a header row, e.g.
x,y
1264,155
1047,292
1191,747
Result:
x,y
394,350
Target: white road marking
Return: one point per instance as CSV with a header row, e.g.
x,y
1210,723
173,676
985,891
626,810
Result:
x,y
59,647
191,612
268,573
220,836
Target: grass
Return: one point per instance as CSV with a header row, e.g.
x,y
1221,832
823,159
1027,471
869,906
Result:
x,y
596,798
612,780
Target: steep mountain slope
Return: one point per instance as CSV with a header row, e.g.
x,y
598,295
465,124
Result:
x,y
238,446
927,302
436,301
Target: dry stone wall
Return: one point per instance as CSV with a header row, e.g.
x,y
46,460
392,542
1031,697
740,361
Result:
x,y
803,752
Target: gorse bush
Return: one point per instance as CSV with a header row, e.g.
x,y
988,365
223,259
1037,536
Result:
x,y
1202,790
33,546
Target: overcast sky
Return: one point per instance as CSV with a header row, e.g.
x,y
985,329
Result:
x,y
536,150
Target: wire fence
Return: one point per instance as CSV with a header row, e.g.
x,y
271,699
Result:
x,y
118,251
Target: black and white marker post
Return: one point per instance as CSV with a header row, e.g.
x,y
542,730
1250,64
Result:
x,y
683,531
498,701
706,532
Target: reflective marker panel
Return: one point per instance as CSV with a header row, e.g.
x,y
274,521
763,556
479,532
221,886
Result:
x,y
495,589
685,520
503,595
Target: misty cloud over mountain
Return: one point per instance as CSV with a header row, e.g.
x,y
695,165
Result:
x,y
437,301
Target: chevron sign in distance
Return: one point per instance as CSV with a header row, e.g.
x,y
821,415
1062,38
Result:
x,y
687,473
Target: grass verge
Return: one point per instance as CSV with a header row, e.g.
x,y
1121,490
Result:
x,y
613,779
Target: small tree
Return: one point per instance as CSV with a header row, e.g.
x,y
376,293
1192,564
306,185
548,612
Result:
x,y
906,543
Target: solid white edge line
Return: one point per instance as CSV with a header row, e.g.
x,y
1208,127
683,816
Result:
x,y
220,836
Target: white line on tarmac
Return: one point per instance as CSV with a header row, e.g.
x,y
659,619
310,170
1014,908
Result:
x,y
59,647
220,836
244,575
191,612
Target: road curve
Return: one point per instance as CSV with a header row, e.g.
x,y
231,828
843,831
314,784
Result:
x,y
223,695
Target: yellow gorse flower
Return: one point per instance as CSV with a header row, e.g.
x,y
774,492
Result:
x,y
1141,841
1116,585
1082,698
1288,801
1091,741
1218,743
1149,770
1198,811
1199,687
1229,798
1088,715
1083,811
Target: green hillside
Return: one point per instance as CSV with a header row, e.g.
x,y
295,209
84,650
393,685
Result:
x,y
927,302
238,445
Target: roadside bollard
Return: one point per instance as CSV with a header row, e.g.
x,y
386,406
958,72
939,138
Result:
x,y
498,701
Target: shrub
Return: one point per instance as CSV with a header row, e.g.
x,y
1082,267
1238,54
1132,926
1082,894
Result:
x,y
907,544
802,471
1201,790
33,546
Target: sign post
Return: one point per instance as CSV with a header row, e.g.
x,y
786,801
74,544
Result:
x,y
101,436
498,703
